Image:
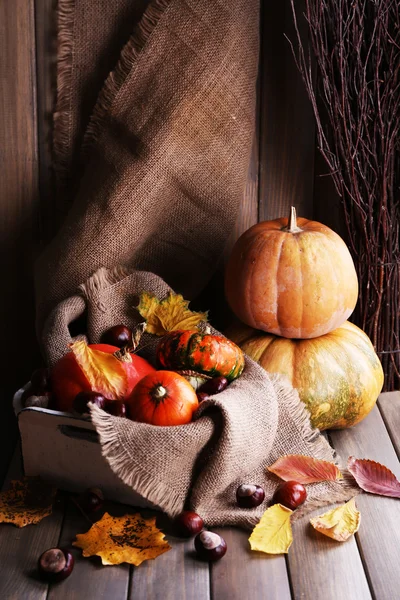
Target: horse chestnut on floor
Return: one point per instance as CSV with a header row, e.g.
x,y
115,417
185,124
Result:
x,y
290,494
119,335
83,398
189,523
91,500
55,564
209,546
249,496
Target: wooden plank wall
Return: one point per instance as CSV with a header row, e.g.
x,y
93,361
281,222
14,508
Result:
x,y
281,174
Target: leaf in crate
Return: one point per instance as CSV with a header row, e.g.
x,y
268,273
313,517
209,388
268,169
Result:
x,y
339,523
105,373
169,314
304,469
373,477
27,502
273,534
131,539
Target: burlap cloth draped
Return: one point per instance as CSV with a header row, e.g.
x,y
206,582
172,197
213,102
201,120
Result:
x,y
157,173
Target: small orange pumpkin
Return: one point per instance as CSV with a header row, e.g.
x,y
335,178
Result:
x,y
162,398
293,278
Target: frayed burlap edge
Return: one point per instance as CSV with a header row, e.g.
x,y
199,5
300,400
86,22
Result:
x,y
113,450
116,78
62,113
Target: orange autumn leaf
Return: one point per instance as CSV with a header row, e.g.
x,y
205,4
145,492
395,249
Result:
x,y
273,534
131,539
27,502
304,469
169,314
104,371
339,523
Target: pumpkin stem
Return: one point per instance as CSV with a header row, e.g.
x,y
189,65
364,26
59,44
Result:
x,y
158,393
291,227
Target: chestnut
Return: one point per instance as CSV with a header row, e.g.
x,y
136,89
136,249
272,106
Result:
x,y
91,500
189,523
201,396
119,335
40,381
117,408
209,545
249,496
83,398
214,386
290,494
55,564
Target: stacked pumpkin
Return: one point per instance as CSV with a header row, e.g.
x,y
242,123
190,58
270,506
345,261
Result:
x,y
292,283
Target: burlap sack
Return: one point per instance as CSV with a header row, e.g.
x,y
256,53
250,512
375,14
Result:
x,y
167,149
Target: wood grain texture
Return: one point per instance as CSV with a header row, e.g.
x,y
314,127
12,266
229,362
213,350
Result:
x,y
287,123
20,548
89,579
389,407
177,574
378,538
18,207
245,574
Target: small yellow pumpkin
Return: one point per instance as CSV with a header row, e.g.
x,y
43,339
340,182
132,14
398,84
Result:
x,y
338,375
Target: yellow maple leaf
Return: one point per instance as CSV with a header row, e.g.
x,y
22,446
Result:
x,y
27,502
339,523
104,372
130,538
273,534
169,314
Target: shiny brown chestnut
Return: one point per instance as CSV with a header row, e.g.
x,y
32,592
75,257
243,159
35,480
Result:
x,y
117,408
188,523
55,564
119,335
83,398
202,396
91,500
290,494
209,545
249,495
214,386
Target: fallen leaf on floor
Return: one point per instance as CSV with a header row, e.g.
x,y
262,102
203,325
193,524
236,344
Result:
x,y
304,469
339,523
27,502
169,314
373,477
131,539
273,534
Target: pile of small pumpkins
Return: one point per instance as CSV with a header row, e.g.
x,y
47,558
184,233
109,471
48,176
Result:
x,y
192,366
293,285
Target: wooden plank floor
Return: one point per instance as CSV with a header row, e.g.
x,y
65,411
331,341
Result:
x,y
316,567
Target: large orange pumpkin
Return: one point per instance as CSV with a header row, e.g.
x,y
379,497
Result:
x,y
338,376
293,278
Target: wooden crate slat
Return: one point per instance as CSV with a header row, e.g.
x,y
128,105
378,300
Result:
x,y
378,537
177,574
90,580
246,574
389,407
287,124
21,548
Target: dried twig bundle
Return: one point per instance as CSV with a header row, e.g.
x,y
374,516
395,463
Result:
x,y
351,69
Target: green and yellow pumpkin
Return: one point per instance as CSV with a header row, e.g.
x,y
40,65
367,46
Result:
x,y
213,355
338,375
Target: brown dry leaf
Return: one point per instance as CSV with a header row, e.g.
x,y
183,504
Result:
x,y
169,314
27,502
105,373
339,523
373,477
304,469
131,539
273,534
